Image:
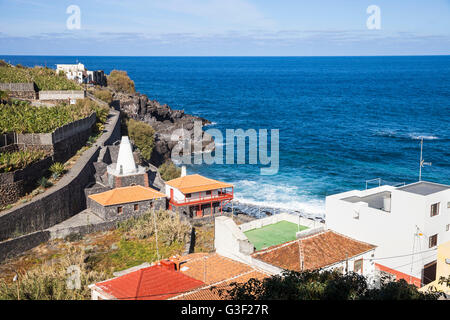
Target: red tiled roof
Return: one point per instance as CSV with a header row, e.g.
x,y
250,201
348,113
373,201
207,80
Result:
x,y
212,268
196,183
152,283
316,251
126,195
212,292
217,271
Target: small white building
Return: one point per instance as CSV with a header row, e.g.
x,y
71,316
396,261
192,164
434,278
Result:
x,y
406,224
75,72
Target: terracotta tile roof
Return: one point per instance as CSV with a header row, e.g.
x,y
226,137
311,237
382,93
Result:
x,y
316,251
219,273
196,183
126,195
152,283
212,268
211,292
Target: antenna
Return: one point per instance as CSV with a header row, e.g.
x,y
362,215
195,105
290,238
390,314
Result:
x,y
422,162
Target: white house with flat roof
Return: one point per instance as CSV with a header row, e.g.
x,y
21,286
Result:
x,y
73,71
406,224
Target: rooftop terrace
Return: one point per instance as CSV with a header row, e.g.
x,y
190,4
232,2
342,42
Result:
x,y
424,188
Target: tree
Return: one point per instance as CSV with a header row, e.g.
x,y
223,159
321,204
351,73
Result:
x,y
143,136
169,171
120,81
322,285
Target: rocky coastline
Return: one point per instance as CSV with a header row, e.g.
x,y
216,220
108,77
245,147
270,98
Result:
x,y
164,121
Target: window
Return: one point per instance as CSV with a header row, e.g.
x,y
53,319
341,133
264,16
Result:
x,y
188,195
434,209
432,242
447,228
208,193
119,210
358,266
136,207
448,205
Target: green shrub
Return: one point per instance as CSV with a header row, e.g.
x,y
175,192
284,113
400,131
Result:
x,y
44,183
104,95
57,169
169,171
120,81
11,161
143,136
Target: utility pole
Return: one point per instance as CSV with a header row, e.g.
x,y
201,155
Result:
x,y
156,232
422,162
16,279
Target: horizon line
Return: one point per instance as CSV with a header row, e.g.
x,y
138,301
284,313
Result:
x,y
226,56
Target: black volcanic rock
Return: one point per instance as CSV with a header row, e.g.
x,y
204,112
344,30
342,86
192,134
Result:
x,y
164,120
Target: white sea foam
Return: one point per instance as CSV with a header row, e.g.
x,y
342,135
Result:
x,y
418,137
281,196
399,134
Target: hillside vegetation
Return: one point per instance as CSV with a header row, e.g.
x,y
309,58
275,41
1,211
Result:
x,y
21,117
45,78
11,161
120,81
43,271
143,137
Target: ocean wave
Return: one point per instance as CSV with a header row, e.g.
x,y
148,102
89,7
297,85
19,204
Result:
x,y
277,196
402,135
418,137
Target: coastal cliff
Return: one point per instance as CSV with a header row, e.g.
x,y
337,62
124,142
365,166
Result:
x,y
164,121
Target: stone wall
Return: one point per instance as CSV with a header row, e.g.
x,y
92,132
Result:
x,y
20,90
16,184
128,180
64,142
111,212
14,247
63,200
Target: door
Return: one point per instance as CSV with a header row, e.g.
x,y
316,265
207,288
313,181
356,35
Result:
x,y
429,273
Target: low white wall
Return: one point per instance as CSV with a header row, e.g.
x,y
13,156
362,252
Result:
x,y
259,223
231,242
62,95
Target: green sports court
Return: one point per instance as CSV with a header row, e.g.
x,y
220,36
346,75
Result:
x,y
273,234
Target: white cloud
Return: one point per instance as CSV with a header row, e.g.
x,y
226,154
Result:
x,y
232,13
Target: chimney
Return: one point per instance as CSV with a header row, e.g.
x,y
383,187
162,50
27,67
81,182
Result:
x,y
183,171
167,264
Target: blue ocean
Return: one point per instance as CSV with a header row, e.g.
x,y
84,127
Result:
x,y
341,120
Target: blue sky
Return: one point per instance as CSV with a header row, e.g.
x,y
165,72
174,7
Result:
x,y
225,27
